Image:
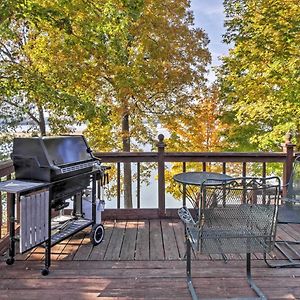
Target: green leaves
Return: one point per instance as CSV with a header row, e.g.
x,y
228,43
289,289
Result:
x,y
97,61
260,78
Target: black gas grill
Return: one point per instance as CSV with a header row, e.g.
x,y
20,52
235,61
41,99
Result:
x,y
48,171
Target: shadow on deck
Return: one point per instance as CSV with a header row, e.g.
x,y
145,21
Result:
x,y
142,260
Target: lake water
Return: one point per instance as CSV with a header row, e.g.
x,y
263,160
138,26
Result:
x,y
148,195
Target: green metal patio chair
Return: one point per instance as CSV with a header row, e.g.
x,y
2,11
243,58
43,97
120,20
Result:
x,y
289,212
235,216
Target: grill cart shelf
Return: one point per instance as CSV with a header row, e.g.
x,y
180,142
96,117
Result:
x,y
49,171
35,218
73,227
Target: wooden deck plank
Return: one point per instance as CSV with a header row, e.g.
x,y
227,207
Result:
x,y
156,244
129,242
85,248
282,234
36,254
169,240
142,251
72,246
58,249
209,269
179,236
115,244
98,252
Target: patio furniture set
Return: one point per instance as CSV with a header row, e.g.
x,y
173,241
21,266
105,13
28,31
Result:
x,y
238,215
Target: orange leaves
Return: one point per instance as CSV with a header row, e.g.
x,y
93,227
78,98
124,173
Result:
x,y
198,127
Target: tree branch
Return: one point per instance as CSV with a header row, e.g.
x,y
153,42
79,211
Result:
x,y
31,115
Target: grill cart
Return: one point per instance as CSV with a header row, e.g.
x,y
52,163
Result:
x,y
49,172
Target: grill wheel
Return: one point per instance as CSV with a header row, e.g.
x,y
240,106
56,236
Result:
x,y
97,234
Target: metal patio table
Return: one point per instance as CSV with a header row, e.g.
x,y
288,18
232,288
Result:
x,y
190,184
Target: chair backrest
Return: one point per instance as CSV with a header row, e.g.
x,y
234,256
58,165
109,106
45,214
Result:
x,y
293,188
239,215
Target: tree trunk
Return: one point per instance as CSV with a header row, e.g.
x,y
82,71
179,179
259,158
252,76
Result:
x,y
127,166
42,122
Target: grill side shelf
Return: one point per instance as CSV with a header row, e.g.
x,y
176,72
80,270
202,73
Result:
x,y
73,227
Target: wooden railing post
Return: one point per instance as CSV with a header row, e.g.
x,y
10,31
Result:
x,y
288,148
161,175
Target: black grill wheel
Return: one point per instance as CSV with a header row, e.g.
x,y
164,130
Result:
x,y
97,234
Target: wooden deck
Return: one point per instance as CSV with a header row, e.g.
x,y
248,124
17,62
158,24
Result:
x,y
141,260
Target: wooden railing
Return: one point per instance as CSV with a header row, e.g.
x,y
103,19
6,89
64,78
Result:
x,y
161,158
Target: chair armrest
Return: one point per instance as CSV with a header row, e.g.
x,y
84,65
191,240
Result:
x,y
186,216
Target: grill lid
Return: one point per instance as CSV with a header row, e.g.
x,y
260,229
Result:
x,y
44,158
64,150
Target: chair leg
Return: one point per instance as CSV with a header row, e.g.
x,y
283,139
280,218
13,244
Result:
x,y
192,291
251,283
291,261
189,270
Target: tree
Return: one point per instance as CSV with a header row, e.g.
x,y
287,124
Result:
x,y
136,60
260,77
197,129
26,93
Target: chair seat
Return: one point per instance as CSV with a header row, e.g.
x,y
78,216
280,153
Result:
x,y
229,242
243,228
289,214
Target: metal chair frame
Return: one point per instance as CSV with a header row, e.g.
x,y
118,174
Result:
x,y
292,198
221,220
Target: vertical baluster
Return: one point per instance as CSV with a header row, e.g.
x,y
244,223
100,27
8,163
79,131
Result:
x,y
138,188
264,174
204,166
118,185
161,175
244,172
224,167
244,169
264,169
184,187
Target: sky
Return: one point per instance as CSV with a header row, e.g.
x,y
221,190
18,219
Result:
x,y
209,15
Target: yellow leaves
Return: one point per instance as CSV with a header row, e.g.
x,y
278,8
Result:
x,y
198,127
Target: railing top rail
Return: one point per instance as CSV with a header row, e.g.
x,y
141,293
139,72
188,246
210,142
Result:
x,y
6,167
192,156
225,156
